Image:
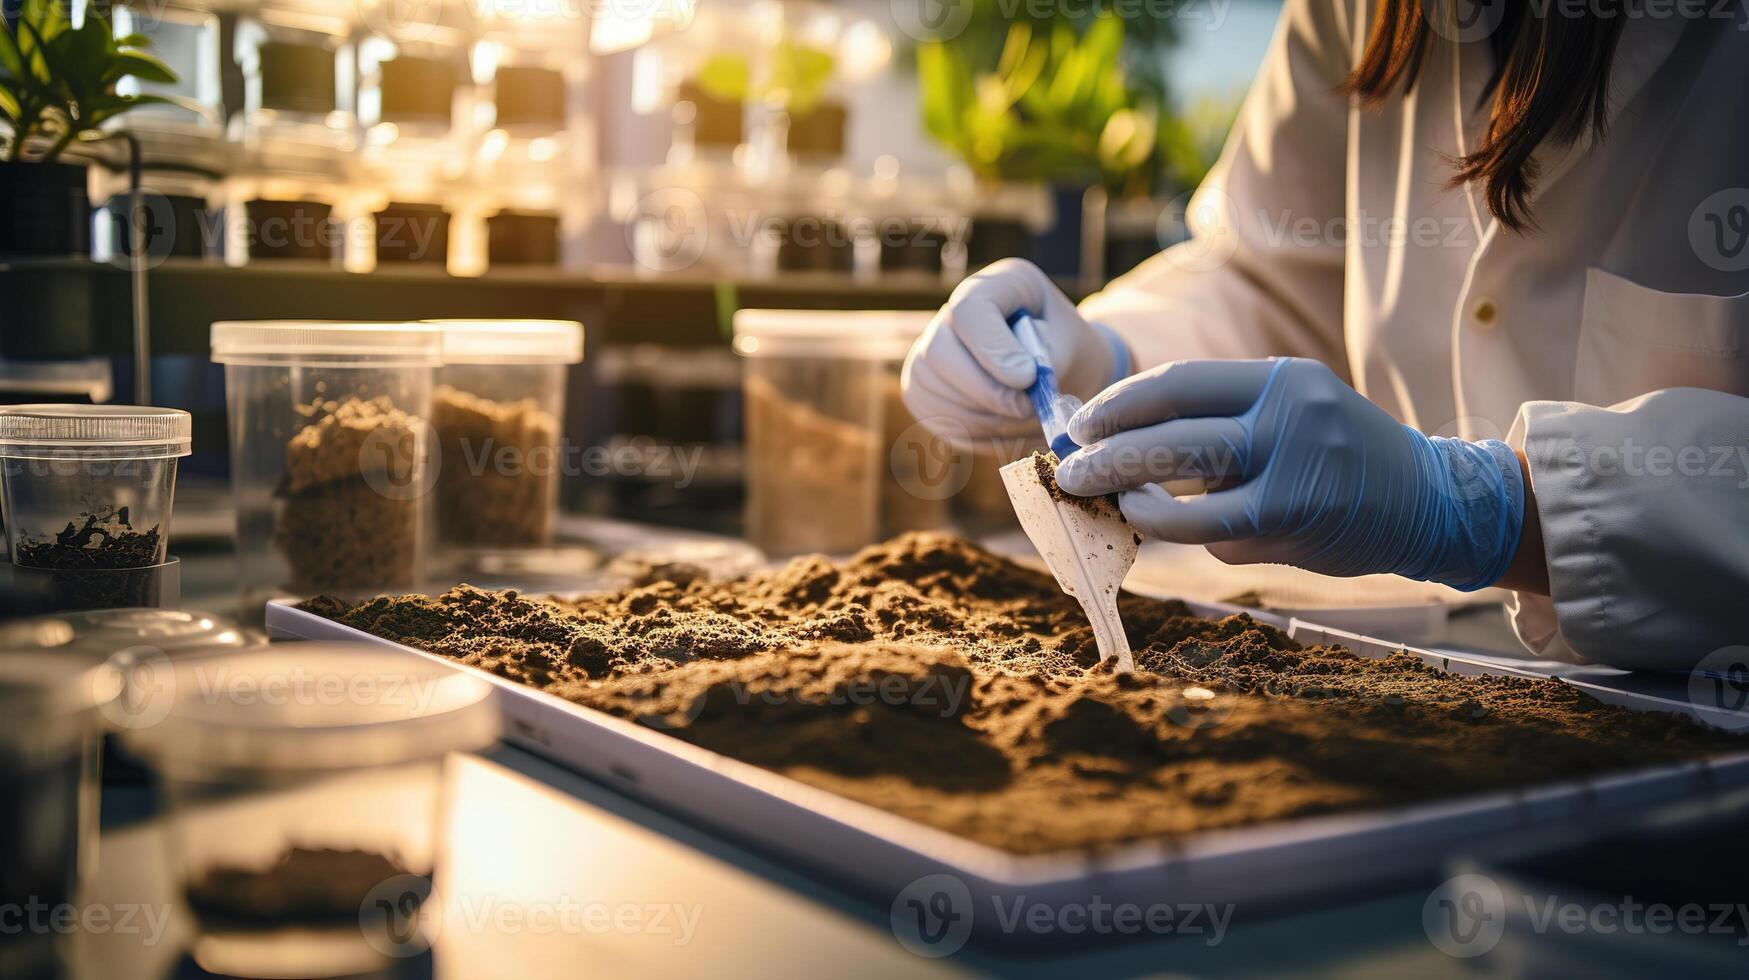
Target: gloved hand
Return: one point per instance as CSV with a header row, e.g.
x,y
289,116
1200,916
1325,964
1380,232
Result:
x,y
1303,471
967,367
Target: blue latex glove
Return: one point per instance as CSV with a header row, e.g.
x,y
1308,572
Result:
x,y
1301,470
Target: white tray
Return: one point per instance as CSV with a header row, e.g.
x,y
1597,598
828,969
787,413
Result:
x,y
1252,868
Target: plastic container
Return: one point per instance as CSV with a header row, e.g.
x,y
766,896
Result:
x,y
821,400
48,812
86,492
329,442
304,788
499,412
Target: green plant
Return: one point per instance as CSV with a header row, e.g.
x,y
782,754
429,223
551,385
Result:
x,y
1061,100
795,78
58,80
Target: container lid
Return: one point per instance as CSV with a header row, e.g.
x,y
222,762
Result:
x,y
300,707
94,427
511,341
278,341
50,702
105,632
882,335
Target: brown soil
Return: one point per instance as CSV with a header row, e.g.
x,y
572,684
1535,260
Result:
x,y
934,680
501,505
305,887
338,529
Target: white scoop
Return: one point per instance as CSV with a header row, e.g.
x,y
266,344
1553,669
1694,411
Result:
x,y
1086,545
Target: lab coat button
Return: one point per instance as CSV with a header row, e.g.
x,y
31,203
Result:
x,y
1486,313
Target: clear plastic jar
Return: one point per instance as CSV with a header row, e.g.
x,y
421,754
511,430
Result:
x,y
819,389
329,452
499,413
48,812
86,492
304,788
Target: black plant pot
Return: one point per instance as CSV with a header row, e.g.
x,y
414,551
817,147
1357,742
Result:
x,y
45,209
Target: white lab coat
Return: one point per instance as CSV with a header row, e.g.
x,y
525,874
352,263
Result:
x,y
1329,231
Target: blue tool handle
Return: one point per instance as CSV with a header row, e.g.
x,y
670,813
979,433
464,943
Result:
x,y
1052,408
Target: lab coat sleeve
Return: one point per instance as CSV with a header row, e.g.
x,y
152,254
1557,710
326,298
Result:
x,y
1262,274
1645,518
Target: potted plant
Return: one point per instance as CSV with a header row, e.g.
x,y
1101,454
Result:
x,y
1068,103
57,88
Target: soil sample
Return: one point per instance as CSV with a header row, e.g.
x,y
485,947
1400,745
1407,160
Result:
x,y
291,230
494,488
350,512
304,887
814,481
911,497
941,683
417,90
810,244
412,233
818,134
89,559
716,123
522,238
527,97
298,77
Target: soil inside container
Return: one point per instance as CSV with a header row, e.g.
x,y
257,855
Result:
x,y
350,512
98,561
932,679
304,887
494,487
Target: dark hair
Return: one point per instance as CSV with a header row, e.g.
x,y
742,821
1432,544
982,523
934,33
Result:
x,y
1550,81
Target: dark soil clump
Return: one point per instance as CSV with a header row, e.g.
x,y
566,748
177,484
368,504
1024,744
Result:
x,y
934,680
306,887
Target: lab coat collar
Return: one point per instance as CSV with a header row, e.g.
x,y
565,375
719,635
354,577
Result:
x,y
1646,43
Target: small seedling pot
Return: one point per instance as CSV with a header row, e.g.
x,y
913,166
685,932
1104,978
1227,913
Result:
x,y
46,209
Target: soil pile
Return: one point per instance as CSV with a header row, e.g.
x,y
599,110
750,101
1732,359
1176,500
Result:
x,y
305,887
350,518
932,679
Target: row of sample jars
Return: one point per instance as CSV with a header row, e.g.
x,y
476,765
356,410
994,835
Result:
x,y
722,220
361,139
356,446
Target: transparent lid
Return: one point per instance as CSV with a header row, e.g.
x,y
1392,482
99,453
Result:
x,y
883,335
298,707
281,341
511,341
128,428
105,632
50,701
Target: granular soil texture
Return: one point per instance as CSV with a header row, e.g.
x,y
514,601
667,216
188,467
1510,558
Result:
x,y
937,681
493,487
102,540
350,518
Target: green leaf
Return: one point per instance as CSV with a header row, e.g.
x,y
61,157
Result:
x,y
138,64
725,76
9,106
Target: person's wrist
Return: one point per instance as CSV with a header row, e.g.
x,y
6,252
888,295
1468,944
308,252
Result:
x,y
1470,515
1121,361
